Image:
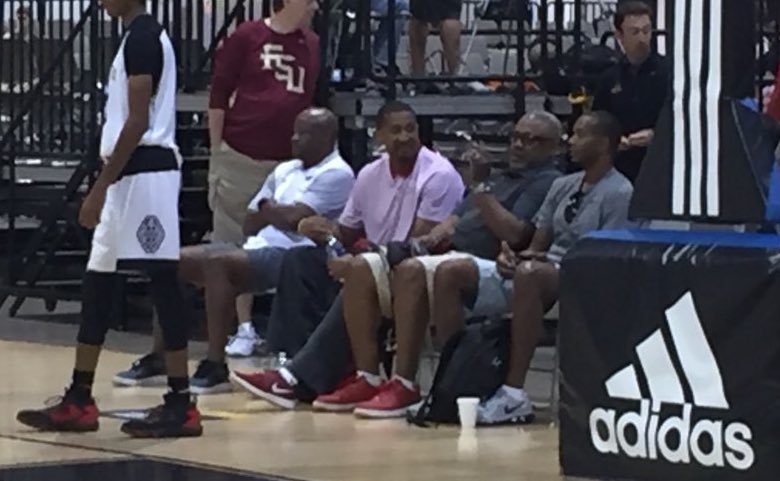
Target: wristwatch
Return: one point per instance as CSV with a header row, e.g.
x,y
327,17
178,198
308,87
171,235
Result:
x,y
483,188
260,203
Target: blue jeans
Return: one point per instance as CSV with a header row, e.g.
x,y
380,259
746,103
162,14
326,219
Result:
x,y
382,37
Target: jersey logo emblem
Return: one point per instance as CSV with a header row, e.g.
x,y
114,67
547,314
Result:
x,y
150,234
285,70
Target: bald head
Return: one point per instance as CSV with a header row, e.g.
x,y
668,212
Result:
x,y
536,138
547,123
315,135
322,119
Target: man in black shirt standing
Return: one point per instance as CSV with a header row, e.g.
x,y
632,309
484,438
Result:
x,y
635,90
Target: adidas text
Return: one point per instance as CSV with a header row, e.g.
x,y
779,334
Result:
x,y
646,435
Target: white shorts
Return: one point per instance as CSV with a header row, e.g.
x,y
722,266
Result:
x,y
383,275
139,221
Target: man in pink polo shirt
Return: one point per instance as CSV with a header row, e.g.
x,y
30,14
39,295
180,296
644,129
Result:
x,y
402,195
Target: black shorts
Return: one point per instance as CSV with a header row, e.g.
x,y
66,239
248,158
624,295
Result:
x,y
434,11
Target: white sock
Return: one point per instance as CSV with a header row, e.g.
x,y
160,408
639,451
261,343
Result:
x,y
406,383
288,376
248,328
516,393
372,379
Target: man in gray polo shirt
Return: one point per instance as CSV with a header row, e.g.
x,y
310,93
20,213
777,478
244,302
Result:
x,y
594,199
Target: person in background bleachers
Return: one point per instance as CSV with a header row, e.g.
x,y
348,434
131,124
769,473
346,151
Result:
x,y
382,36
445,16
23,28
636,89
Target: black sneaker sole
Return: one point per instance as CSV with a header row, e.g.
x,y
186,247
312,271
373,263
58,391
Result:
x,y
42,422
160,433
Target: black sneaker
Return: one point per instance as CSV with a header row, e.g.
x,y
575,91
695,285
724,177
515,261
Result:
x,y
74,412
211,378
146,371
178,417
425,88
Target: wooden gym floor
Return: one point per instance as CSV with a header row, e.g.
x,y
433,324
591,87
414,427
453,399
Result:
x,y
242,435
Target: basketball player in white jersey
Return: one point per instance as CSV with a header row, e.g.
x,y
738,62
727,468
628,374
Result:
x,y
133,207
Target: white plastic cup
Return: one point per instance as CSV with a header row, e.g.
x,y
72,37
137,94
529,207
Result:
x,y
467,412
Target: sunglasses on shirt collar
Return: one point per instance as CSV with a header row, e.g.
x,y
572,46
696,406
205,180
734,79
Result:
x,y
573,205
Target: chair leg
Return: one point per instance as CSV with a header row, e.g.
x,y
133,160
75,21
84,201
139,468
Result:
x,y
554,388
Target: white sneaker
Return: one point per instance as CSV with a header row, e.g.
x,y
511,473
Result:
x,y
502,408
245,341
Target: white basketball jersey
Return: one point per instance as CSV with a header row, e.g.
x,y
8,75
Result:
x,y
145,49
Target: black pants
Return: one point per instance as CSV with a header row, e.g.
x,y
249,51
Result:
x,y
327,356
435,11
629,162
307,323
304,295
99,289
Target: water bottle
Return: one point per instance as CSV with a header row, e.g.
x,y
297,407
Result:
x,y
281,360
334,248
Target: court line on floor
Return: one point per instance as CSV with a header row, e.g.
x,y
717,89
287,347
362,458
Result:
x,y
130,455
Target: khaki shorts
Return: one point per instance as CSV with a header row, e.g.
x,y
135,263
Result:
x,y
233,180
380,269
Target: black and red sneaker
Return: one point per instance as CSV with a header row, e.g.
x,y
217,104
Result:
x,y
72,412
178,417
268,385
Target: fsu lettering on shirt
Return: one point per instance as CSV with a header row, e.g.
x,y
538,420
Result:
x,y
263,79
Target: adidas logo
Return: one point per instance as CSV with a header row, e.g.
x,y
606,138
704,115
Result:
x,y
680,437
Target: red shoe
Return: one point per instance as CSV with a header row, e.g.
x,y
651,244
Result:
x,y
346,398
346,381
67,415
178,417
392,401
268,385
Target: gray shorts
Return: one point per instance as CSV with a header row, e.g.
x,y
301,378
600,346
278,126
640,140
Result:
x,y
494,293
265,264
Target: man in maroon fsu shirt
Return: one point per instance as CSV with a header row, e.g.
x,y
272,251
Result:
x,y
264,75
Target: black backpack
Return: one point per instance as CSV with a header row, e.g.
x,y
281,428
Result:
x,y
473,363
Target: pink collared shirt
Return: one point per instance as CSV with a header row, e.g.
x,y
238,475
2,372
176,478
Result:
x,y
386,207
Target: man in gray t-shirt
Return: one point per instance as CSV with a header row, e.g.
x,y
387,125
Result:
x,y
570,213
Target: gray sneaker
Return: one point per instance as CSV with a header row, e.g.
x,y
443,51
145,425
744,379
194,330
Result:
x,y
504,409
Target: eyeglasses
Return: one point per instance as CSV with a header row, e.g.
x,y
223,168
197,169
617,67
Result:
x,y
528,138
573,206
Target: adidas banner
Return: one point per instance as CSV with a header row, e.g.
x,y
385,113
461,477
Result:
x,y
670,357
